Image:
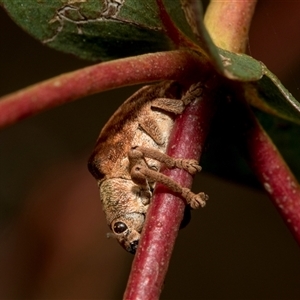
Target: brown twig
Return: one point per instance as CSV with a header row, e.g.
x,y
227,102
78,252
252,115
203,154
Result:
x,y
166,211
101,77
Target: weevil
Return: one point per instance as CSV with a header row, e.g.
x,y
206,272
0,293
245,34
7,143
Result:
x,y
129,153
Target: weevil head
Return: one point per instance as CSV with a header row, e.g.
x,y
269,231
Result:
x,y
125,205
127,230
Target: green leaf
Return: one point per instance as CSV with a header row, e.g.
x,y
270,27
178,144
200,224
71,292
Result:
x,y
240,67
90,29
262,88
269,95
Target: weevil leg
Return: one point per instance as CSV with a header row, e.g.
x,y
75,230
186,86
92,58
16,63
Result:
x,y
195,91
139,172
175,106
190,165
148,122
150,126
137,158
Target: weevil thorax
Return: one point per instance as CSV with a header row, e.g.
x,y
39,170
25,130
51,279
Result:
x,y
125,205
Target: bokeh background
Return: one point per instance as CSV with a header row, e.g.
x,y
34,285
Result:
x,y
52,231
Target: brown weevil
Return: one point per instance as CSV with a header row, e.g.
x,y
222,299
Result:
x,y
129,152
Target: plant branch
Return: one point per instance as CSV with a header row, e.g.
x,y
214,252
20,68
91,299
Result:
x,y
166,210
228,23
269,167
97,78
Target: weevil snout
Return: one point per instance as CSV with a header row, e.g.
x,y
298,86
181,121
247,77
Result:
x,y
131,243
127,230
133,247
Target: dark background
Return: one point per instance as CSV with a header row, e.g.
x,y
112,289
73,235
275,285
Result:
x,y
52,238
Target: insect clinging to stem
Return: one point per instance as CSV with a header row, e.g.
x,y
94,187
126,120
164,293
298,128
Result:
x,y
130,151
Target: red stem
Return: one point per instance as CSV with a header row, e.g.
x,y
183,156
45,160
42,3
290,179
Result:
x,y
166,210
270,168
97,78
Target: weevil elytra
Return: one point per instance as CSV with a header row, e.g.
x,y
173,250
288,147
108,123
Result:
x,y
129,152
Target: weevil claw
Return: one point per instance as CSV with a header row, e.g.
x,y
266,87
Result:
x,y
194,200
190,165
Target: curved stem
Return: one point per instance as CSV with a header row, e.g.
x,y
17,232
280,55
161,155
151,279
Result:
x,y
269,166
228,23
97,78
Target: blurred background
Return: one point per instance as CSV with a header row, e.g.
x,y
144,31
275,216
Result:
x,y
52,230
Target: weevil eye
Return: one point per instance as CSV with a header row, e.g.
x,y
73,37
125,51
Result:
x,y
119,227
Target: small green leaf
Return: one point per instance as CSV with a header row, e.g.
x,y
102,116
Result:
x,y
240,67
269,95
262,88
93,29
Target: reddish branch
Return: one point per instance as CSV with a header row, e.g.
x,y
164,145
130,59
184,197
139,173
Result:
x,y
101,77
269,167
166,211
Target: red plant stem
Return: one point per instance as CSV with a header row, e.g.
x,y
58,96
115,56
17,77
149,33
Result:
x,y
166,210
270,168
101,77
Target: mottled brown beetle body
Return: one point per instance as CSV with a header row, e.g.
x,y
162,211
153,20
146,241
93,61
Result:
x,y
128,156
